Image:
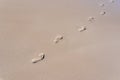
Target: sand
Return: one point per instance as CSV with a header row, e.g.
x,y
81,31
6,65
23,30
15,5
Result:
x,y
28,27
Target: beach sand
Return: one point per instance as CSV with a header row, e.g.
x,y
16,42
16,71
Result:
x,y
29,27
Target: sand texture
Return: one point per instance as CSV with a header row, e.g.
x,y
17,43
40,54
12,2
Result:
x,y
87,48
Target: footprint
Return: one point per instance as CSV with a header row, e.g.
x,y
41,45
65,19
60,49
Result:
x,y
102,5
40,57
112,1
82,28
91,19
102,13
58,38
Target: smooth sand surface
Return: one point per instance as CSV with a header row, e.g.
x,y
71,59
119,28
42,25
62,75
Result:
x,y
28,27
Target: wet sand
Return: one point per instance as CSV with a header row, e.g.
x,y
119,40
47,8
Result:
x,y
29,27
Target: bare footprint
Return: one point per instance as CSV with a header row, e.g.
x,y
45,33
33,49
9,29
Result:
x,y
58,38
112,1
91,19
102,5
40,57
82,28
102,13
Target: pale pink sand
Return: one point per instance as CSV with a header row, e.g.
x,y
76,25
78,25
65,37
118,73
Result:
x,y
28,27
